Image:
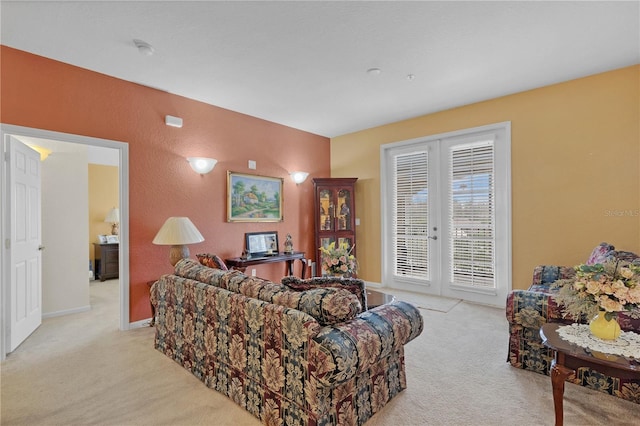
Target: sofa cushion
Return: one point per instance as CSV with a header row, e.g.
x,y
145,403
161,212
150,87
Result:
x,y
354,285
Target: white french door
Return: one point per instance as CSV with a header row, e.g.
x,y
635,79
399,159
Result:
x,y
446,214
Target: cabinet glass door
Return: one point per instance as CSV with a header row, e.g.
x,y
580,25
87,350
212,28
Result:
x,y
326,241
344,212
327,210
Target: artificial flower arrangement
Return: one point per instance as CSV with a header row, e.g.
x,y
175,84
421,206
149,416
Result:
x,y
612,287
338,260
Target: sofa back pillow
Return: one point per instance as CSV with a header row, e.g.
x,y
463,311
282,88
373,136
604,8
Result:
x,y
327,305
212,261
600,254
189,268
353,285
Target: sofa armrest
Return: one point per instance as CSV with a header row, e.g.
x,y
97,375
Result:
x,y
347,349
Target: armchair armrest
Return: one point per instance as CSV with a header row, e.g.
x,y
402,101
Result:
x,y
545,275
531,309
350,348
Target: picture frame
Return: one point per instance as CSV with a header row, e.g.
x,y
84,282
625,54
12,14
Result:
x,y
259,244
254,198
112,239
102,239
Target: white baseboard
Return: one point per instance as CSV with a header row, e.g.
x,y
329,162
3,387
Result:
x,y
140,324
66,312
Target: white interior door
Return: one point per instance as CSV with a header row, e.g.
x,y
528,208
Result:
x,y
24,245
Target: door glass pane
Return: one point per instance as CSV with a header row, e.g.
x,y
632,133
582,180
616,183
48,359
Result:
x,y
344,213
326,211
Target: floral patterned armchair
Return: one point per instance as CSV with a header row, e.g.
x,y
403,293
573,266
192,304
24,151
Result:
x,y
527,310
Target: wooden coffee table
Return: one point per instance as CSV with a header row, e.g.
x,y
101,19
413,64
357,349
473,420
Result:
x,y
569,357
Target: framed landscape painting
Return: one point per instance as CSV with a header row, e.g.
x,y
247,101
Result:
x,y
252,198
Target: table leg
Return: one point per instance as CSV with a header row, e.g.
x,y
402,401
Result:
x,y
559,373
304,267
289,267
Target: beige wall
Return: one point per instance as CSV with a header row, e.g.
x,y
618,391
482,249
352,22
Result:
x,y
103,196
575,169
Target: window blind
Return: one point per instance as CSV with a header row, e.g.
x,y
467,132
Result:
x,y
472,214
410,215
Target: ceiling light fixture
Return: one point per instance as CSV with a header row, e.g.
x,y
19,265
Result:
x,y
374,71
143,47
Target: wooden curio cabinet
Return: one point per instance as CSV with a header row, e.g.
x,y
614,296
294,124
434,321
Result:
x,y
335,213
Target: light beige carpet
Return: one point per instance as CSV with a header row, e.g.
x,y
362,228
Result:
x,y
80,370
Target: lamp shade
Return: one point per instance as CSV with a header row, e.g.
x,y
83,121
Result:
x,y
178,231
113,216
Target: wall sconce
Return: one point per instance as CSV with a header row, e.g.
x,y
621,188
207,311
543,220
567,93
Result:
x,y
176,232
298,177
113,217
202,165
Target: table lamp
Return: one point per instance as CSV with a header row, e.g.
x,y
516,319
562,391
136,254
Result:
x,y
113,217
176,232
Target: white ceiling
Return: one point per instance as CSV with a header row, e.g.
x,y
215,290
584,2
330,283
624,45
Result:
x,y
303,64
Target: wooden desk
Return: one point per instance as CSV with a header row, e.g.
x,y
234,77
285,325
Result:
x,y
569,357
242,264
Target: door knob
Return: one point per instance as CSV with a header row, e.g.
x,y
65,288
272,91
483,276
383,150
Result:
x,y
40,247
435,237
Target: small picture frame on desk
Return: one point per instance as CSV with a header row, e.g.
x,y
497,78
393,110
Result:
x,y
112,239
102,239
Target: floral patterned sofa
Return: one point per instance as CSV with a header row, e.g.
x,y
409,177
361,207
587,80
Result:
x,y
527,310
291,357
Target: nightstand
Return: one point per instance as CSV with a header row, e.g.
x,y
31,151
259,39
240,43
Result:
x,y
107,260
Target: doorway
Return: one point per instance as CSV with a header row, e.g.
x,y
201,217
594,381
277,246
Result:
x,y
446,216
121,149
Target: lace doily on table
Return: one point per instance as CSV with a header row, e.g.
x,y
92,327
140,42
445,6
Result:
x,y
627,345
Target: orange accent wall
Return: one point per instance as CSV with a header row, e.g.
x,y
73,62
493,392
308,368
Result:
x,y
575,168
42,93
